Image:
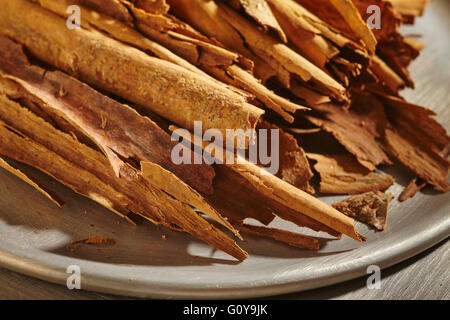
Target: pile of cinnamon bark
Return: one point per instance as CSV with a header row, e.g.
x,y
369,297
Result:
x,y
94,107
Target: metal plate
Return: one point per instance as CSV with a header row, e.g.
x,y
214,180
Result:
x,y
35,233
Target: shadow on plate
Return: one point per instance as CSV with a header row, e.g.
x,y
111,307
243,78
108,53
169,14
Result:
x,y
52,229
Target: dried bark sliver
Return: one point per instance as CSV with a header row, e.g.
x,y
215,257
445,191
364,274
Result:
x,y
342,174
370,208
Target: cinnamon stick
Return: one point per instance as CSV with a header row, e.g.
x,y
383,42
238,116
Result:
x,y
283,192
167,89
234,31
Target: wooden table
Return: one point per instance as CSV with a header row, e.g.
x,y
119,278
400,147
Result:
x,y
425,276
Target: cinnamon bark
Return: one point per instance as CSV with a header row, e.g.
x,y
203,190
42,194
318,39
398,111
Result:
x,y
234,31
413,187
282,192
29,139
31,181
167,89
293,165
260,11
357,129
292,239
203,55
116,129
342,174
370,208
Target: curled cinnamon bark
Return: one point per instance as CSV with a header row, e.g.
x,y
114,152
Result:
x,y
234,31
260,11
167,89
116,129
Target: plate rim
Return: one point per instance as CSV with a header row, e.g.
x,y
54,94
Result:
x,y
403,250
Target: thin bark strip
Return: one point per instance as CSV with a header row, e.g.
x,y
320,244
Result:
x,y
31,181
413,187
428,165
388,78
237,200
112,126
350,13
292,239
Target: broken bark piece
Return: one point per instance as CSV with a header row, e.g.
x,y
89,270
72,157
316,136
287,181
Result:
x,y
414,186
416,140
423,161
293,165
356,129
370,208
96,240
260,11
417,121
26,138
167,89
342,174
290,238
31,181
